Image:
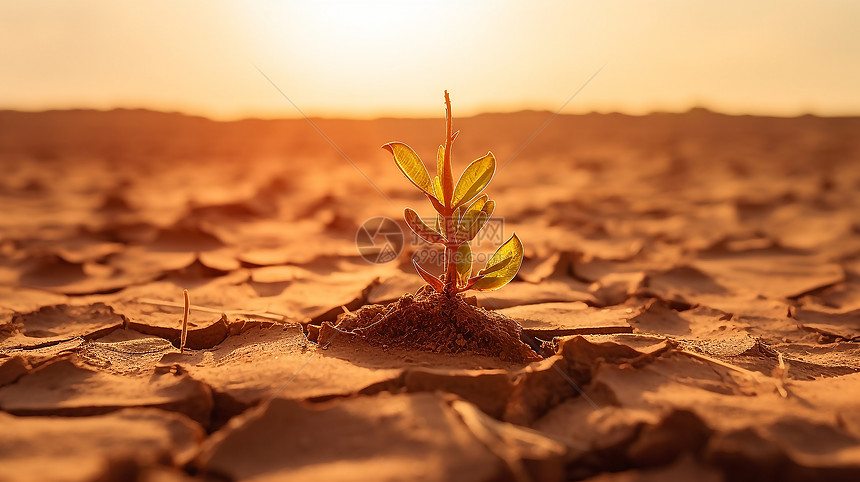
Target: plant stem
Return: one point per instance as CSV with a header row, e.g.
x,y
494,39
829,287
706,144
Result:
x,y
451,273
448,191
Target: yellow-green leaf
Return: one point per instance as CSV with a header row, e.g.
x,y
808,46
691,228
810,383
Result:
x,y
463,259
440,169
511,250
433,281
492,269
458,215
417,225
474,218
437,204
468,228
437,188
474,179
488,207
440,161
477,205
410,164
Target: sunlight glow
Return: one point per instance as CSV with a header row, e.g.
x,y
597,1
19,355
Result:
x,y
385,58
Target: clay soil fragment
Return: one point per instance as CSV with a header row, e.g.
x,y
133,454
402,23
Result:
x,y
434,322
239,380
385,438
548,320
64,388
837,325
102,447
90,321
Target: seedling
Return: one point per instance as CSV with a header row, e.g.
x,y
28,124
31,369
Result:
x,y
461,212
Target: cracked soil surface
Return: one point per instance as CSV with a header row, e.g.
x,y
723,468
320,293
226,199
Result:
x,y
691,288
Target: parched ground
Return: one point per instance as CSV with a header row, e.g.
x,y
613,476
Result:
x,y
693,282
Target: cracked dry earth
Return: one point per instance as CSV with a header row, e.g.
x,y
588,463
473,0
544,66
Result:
x,y
692,280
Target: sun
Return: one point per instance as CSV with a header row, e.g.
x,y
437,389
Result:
x,y
376,23
347,32
387,53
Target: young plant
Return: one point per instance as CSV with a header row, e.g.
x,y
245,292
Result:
x,y
461,212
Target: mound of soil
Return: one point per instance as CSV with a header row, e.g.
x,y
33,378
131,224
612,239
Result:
x,y
435,322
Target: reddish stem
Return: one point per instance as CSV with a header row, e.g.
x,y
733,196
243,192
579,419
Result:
x,y
448,189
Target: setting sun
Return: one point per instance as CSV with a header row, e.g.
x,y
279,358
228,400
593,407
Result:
x,y
367,59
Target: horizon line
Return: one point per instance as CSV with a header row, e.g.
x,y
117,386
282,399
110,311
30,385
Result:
x,y
239,118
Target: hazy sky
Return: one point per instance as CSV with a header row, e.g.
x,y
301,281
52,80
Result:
x,y
352,58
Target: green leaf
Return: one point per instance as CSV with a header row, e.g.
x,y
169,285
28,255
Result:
x,y
437,205
440,169
458,215
473,219
463,259
488,207
477,205
433,281
417,225
474,179
492,269
511,250
440,161
411,166
471,224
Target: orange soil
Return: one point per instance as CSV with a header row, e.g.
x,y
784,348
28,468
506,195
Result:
x,y
692,279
